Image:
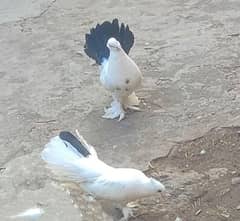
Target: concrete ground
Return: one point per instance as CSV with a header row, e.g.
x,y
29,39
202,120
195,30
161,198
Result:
x,y
188,51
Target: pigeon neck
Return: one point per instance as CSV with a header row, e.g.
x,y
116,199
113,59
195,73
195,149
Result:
x,y
116,54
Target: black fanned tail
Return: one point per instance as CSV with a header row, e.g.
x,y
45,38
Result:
x,y
95,46
70,138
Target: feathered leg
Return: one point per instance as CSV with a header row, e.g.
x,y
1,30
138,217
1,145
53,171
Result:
x,y
116,109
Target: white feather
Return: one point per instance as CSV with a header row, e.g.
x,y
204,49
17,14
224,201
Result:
x,y
70,163
30,214
132,100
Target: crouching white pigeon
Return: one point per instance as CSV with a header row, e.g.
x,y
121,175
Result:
x,y
109,44
77,161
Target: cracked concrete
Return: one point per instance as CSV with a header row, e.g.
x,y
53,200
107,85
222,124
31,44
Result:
x,y
188,52
20,10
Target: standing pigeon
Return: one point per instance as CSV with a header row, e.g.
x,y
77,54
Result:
x,y
109,44
77,161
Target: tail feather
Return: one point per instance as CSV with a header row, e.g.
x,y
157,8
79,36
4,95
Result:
x,y
89,147
132,100
66,148
71,139
66,158
95,46
57,153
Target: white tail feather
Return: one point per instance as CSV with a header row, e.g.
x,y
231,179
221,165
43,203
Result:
x,y
69,164
132,100
55,152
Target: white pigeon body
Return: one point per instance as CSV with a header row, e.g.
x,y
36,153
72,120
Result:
x,y
122,185
120,72
96,177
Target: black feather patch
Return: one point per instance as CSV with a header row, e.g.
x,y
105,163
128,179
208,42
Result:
x,y
95,46
70,138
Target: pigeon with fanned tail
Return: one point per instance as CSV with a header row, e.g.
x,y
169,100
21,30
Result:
x,y
75,160
109,44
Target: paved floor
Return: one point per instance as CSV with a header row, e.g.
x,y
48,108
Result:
x,y
187,50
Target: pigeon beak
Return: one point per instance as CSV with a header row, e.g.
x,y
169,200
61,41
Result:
x,y
112,46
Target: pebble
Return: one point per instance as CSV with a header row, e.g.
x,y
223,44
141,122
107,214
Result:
x,y
235,180
75,206
198,212
203,152
238,207
178,219
226,215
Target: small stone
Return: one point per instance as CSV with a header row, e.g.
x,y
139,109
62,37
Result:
x,y
198,212
203,152
238,207
178,219
226,215
235,180
75,206
79,53
215,173
2,168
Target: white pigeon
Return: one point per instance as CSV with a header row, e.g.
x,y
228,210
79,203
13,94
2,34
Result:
x,y
32,214
109,44
77,161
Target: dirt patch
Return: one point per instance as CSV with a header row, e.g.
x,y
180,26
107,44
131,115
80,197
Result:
x,y
202,178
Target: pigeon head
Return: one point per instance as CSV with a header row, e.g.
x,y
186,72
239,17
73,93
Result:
x,y
113,44
156,185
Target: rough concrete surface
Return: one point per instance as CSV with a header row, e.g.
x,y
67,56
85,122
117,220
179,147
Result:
x,y
188,51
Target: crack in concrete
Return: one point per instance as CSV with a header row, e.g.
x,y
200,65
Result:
x,y
20,20
44,11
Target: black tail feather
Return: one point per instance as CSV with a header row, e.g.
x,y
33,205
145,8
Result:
x,y
95,46
70,138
